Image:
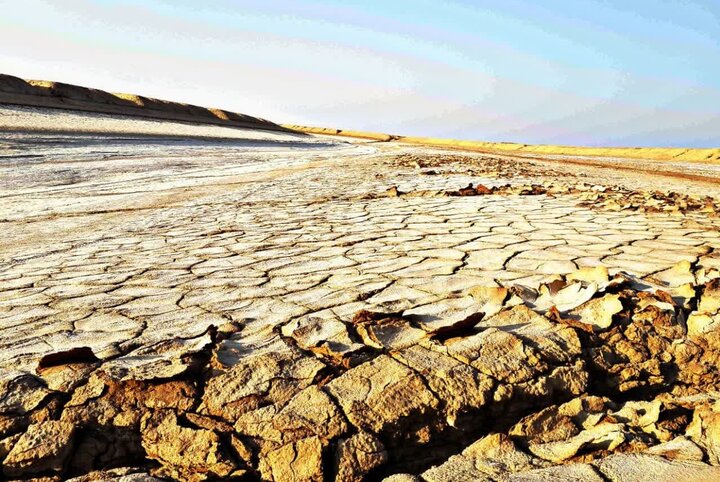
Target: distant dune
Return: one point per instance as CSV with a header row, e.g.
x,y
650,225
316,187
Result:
x,y
679,154
41,93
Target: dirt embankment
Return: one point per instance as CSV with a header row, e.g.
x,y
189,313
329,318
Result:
x,y
41,93
680,154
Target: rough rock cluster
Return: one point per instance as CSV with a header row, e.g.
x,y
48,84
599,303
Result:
x,y
588,377
591,196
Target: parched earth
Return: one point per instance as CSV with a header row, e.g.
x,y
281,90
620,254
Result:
x,y
312,310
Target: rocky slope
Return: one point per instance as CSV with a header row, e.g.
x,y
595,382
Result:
x,y
589,377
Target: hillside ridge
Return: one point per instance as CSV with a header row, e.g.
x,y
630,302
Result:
x,y
59,95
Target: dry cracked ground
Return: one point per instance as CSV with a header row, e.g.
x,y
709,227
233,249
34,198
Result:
x,y
282,308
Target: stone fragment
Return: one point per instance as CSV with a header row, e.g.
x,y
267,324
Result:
x,y
398,297
457,468
163,360
393,192
65,378
710,297
490,457
554,342
490,298
185,453
699,324
385,397
325,335
357,456
566,298
677,275
683,295
123,474
309,413
498,354
299,461
20,393
259,379
607,435
639,413
105,402
403,478
463,389
678,448
598,313
44,447
386,331
560,473
448,316
704,430
637,467
7,444
548,425
596,274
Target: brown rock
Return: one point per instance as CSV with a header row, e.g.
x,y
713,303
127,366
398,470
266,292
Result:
x,y
560,473
384,396
598,313
107,402
595,274
678,448
483,190
310,413
299,461
66,377
44,447
492,456
20,393
490,298
498,354
608,435
386,331
463,389
638,467
7,444
357,456
185,453
266,378
393,192
122,474
704,430
448,317
548,425
325,336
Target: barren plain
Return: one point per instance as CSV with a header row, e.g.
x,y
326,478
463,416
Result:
x,y
186,302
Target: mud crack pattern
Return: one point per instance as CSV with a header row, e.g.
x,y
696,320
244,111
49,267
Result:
x,y
280,316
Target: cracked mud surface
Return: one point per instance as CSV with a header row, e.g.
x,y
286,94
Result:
x,y
202,311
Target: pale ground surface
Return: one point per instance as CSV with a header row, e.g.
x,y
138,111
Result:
x,y
119,245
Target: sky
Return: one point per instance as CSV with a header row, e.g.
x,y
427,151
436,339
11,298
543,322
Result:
x,y
581,72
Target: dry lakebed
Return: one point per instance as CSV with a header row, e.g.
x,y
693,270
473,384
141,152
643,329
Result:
x,y
200,302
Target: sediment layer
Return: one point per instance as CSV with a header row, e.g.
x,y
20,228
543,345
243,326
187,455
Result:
x,y
709,156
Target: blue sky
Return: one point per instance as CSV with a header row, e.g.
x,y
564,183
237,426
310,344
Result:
x,y
603,72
